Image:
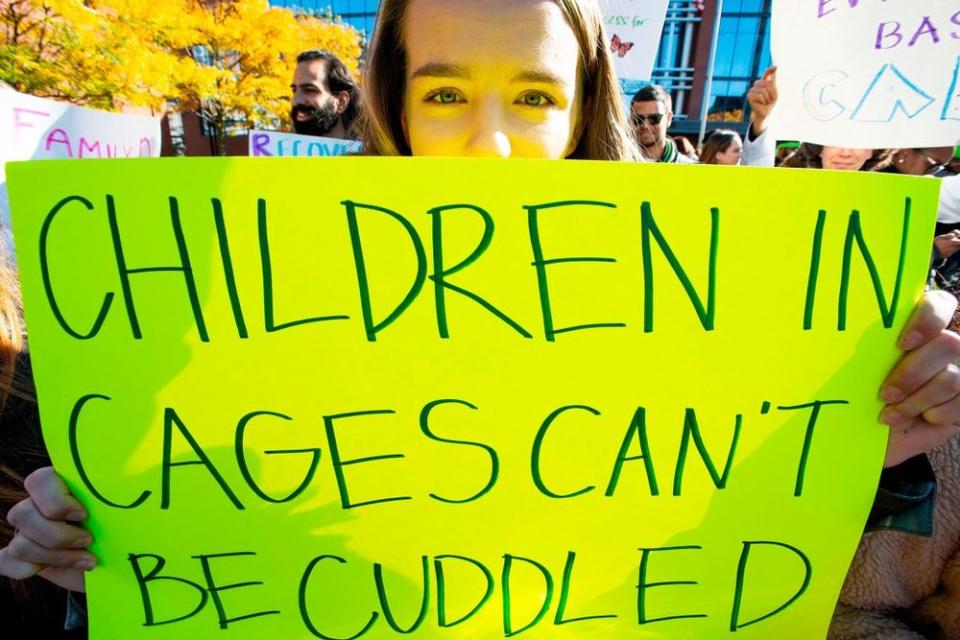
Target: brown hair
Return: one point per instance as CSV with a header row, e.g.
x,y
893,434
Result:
x,y
808,156
717,141
14,383
17,452
605,135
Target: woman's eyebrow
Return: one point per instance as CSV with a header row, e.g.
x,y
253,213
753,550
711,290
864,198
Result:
x,y
538,75
441,70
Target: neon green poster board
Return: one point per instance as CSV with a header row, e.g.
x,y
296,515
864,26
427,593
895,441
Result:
x,y
360,397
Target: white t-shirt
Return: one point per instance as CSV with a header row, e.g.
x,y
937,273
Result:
x,y
759,152
949,211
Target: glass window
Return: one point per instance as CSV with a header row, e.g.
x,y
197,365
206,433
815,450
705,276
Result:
x,y
360,14
743,53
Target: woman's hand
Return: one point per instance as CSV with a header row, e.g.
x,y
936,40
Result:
x,y
49,541
948,243
923,391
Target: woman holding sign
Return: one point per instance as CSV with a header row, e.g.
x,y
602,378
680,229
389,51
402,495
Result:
x,y
525,78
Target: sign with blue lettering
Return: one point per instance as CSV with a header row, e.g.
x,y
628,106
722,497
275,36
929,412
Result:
x,y
880,74
277,143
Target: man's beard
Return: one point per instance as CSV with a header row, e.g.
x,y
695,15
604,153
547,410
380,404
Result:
x,y
320,122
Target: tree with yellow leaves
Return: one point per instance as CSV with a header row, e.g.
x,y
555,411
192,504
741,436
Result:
x,y
85,52
229,60
244,55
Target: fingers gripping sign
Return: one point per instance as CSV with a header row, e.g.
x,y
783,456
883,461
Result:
x,y
923,391
49,540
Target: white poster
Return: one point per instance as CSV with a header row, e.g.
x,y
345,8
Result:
x,y
868,73
633,30
34,128
276,143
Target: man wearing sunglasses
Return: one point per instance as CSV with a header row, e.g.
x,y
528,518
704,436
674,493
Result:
x,y
651,115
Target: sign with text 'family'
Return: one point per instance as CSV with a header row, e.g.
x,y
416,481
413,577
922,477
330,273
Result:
x,y
466,398
39,129
279,144
868,73
634,28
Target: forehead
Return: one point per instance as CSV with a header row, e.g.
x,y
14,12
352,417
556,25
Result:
x,y
311,72
645,107
508,34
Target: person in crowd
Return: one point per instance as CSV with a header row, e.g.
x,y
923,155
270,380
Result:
x,y
784,151
953,166
924,161
438,86
652,114
721,146
686,147
815,156
325,98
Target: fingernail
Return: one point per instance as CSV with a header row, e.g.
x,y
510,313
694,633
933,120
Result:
x,y
912,340
77,516
84,565
891,417
891,394
82,542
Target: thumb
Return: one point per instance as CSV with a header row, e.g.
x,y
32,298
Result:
x,y
770,75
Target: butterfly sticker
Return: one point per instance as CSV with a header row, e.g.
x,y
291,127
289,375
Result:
x,y
619,47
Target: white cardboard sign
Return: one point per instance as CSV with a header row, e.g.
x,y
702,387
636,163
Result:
x,y
633,32
276,143
868,73
34,128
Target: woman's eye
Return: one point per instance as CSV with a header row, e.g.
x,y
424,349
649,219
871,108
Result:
x,y
444,97
535,100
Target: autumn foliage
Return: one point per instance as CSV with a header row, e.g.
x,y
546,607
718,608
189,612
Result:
x,y
229,60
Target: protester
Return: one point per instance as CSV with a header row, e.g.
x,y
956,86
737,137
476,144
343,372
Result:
x,y
325,98
953,166
652,115
815,156
686,147
721,146
428,64
926,161
784,151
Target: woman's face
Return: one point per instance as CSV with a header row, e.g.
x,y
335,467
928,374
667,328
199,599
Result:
x,y
731,155
495,79
844,159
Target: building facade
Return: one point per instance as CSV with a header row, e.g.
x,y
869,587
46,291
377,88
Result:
x,y
358,13
742,55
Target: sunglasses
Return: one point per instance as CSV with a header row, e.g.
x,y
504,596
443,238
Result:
x,y
652,118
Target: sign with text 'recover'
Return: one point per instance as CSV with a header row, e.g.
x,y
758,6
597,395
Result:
x,y
870,74
466,398
280,144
